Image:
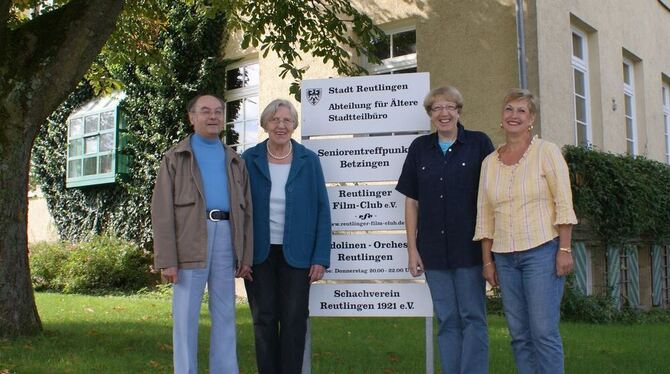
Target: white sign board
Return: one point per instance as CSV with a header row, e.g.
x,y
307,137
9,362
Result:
x,y
370,159
370,300
366,208
369,104
368,256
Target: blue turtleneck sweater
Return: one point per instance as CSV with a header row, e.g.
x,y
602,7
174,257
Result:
x,y
211,159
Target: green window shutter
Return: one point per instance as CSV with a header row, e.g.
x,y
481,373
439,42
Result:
x,y
634,276
613,274
93,142
122,159
656,276
581,263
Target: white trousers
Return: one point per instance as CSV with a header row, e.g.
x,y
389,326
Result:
x,y
219,276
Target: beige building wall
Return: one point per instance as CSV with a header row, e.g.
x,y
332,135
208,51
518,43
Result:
x,y
41,226
472,45
271,85
637,30
469,44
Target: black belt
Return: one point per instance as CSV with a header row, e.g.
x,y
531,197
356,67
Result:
x,y
218,215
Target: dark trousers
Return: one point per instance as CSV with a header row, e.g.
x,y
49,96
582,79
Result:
x,y
278,298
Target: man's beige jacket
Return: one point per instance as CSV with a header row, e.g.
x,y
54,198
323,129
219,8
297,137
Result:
x,y
178,211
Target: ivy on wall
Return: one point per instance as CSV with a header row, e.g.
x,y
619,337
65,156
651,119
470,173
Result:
x,y
621,197
155,112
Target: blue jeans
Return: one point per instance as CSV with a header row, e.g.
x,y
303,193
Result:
x,y
219,275
531,295
460,307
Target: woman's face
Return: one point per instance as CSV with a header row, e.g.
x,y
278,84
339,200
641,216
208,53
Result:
x,y
516,117
280,126
444,117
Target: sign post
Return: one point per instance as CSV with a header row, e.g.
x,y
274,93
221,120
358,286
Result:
x,y
361,129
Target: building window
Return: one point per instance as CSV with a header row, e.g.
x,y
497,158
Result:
x,y
580,73
660,271
622,274
397,52
665,277
629,107
242,112
93,140
666,119
583,268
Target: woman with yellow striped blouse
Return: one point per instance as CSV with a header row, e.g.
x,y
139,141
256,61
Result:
x,y
524,222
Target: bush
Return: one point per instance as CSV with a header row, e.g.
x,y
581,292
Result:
x,y
46,262
104,264
621,197
601,309
588,308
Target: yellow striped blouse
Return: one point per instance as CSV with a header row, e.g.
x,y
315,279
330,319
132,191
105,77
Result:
x,y
519,205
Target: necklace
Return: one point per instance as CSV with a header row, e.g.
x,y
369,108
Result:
x,y
290,150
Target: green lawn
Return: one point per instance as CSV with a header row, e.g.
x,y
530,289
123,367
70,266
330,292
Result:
x,y
85,334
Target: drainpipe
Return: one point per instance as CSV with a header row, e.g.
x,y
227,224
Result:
x,y
521,45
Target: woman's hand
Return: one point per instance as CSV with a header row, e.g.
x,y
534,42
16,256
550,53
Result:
x,y
244,271
490,274
564,263
316,272
414,263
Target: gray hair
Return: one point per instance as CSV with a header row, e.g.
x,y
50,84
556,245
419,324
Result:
x,y
272,108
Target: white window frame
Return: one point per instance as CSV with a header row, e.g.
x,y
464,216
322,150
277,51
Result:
x,y
629,91
665,91
95,109
389,65
243,93
582,65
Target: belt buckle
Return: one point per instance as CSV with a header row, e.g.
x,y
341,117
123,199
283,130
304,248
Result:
x,y
210,215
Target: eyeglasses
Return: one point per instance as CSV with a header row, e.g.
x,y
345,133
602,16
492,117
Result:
x,y
208,112
449,108
283,121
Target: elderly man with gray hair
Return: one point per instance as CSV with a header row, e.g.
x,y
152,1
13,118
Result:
x,y
201,216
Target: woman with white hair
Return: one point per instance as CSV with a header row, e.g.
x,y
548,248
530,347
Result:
x,y
291,239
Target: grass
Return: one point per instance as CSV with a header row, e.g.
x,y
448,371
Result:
x,y
87,334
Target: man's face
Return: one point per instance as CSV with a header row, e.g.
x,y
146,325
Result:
x,y
206,116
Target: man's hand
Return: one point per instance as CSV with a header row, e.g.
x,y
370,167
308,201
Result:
x,y
170,274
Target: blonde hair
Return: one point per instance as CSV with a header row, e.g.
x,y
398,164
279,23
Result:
x,y
448,93
521,93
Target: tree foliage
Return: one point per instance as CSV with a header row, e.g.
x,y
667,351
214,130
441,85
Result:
x,y
157,93
184,59
43,59
333,30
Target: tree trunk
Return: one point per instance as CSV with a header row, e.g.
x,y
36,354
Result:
x,y
42,61
18,313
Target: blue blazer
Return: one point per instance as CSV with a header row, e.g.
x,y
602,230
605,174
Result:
x,y
307,234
